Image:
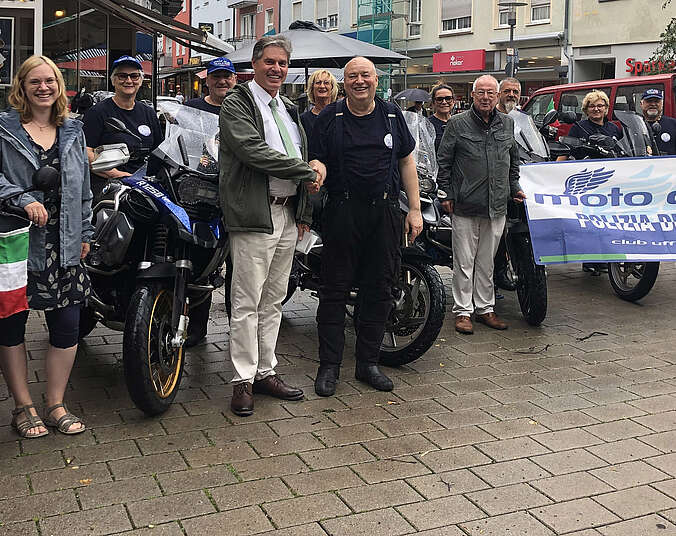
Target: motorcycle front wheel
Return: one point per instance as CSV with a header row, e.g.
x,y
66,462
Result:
x,y
152,366
631,281
531,280
415,322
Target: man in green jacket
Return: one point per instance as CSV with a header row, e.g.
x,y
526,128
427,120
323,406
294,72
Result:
x,y
479,169
264,183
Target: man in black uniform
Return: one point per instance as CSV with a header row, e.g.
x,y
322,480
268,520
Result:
x,y
366,146
221,78
652,106
139,118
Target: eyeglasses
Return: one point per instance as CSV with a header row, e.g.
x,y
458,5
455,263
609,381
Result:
x,y
450,98
132,76
597,106
482,92
34,82
323,83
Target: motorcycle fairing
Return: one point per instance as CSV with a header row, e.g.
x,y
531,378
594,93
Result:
x,y
156,192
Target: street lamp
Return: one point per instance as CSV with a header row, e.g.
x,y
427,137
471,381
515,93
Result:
x,y
511,20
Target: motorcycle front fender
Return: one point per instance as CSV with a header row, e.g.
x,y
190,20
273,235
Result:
x,y
162,270
412,253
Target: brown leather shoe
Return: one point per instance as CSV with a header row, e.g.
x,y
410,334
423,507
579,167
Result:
x,y
242,402
491,320
464,325
274,386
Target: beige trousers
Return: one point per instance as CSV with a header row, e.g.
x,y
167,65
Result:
x,y
261,264
475,241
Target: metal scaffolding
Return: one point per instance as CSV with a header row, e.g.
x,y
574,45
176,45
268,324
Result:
x,y
383,23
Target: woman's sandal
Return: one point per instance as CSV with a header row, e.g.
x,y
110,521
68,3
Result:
x,y
32,421
64,422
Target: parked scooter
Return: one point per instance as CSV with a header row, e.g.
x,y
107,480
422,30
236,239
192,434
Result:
x,y
157,251
419,296
631,281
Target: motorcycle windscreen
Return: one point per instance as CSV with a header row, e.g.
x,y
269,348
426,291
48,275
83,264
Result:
x,y
528,136
635,139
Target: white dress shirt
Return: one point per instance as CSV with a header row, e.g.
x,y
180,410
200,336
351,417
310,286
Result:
x,y
278,187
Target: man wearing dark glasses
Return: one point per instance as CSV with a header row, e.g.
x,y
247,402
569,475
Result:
x,y
126,78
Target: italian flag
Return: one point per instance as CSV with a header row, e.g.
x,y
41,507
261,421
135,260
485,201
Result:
x,y
13,265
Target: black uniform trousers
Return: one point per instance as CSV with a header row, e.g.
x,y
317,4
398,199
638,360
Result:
x,y
361,247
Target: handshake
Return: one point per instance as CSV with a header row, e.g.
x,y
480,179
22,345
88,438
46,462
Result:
x,y
320,170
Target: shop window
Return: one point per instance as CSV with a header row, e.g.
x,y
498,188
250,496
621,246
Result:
x,y
59,39
456,15
628,98
326,14
16,45
540,10
93,49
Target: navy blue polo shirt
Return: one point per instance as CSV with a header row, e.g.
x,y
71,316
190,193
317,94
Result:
x,y
585,128
367,149
666,139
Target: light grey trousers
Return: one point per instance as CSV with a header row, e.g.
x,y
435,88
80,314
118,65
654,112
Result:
x,y
475,241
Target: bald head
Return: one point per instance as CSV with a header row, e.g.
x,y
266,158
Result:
x,y
360,81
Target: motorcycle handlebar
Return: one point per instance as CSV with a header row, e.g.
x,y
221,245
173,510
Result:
x,y
8,208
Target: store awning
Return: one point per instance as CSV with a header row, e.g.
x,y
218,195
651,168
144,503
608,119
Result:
x,y
152,22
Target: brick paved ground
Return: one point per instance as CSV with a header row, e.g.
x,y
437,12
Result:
x,y
524,432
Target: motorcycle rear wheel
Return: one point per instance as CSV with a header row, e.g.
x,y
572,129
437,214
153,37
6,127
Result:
x,y
152,367
631,281
531,280
411,330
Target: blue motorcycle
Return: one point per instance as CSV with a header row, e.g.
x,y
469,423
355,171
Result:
x,y
157,253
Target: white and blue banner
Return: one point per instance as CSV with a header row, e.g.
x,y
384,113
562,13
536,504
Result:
x,y
602,210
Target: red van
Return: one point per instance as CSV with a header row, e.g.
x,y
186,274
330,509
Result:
x,y
623,93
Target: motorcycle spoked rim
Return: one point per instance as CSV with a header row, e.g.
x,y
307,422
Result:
x,y
172,378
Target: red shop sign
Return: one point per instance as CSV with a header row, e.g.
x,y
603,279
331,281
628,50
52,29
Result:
x,y
465,60
637,67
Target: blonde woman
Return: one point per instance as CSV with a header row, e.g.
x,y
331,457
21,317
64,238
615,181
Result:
x,y
322,90
37,132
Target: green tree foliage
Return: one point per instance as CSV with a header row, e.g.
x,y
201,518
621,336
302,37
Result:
x,y
666,51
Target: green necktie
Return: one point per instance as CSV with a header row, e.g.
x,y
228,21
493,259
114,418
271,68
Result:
x,y
283,132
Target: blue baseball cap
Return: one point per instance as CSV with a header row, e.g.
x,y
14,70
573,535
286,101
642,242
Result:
x,y
127,60
220,64
652,93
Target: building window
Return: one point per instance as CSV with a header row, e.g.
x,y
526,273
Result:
x,y
297,11
219,29
503,15
326,14
247,26
415,18
540,10
456,15
269,20
226,29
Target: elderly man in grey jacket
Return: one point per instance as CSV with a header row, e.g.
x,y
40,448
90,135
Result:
x,y
479,169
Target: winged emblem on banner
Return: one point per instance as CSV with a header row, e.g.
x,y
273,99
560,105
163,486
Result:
x,y
584,180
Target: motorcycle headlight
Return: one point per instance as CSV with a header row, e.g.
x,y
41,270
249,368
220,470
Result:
x,y
194,190
426,186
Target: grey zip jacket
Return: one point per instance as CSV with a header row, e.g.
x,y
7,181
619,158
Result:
x,y
18,162
479,167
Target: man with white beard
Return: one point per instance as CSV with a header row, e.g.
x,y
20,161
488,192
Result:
x,y
652,106
510,93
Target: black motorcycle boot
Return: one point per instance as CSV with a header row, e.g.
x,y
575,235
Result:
x,y
326,380
371,374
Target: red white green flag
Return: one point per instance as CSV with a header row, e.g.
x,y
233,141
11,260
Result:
x,y
13,270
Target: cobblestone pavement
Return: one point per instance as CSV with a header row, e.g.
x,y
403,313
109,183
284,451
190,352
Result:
x,y
569,428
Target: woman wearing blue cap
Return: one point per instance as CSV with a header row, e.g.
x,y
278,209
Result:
x,y
127,77
220,79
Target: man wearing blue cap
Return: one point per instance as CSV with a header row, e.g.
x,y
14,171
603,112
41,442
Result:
x,y
652,106
220,79
141,119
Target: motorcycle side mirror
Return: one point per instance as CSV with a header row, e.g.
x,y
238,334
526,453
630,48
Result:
x,y
550,117
442,195
568,118
114,124
46,178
